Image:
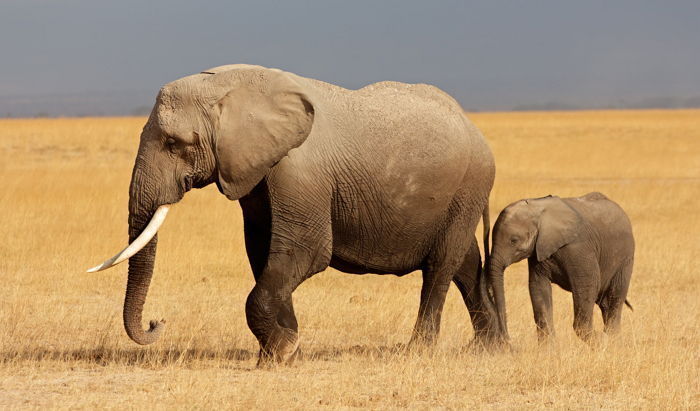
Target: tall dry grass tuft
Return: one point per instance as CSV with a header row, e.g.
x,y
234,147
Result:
x,y
63,208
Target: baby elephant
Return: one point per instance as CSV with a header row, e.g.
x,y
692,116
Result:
x,y
584,245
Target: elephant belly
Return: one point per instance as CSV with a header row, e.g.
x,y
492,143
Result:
x,y
357,267
391,230
359,256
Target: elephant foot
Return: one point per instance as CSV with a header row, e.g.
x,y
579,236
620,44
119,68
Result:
x,y
489,344
281,348
594,339
482,344
421,343
597,340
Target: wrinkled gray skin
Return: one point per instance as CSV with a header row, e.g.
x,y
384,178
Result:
x,y
390,178
584,245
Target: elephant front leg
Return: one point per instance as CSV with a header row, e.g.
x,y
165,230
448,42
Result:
x,y
269,308
288,238
583,316
541,298
270,316
585,279
268,300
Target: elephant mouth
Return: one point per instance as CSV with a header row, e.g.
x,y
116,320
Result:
x,y
188,183
218,186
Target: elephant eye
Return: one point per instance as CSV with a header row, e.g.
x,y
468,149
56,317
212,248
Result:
x,y
514,240
171,146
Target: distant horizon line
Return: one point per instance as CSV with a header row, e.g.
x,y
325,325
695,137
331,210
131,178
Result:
x,y
128,104
534,110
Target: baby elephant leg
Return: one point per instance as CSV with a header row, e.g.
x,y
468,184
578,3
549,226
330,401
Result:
x,y
612,303
583,315
585,279
541,297
611,308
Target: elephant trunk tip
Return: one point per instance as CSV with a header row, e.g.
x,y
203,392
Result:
x,y
155,328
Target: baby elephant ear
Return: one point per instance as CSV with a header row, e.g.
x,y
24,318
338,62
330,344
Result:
x,y
258,123
558,226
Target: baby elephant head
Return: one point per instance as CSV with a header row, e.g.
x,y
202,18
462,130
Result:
x,y
534,227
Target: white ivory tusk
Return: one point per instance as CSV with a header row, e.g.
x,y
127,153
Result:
x,y
140,241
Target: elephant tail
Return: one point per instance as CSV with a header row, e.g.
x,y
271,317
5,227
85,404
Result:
x,y
627,303
487,228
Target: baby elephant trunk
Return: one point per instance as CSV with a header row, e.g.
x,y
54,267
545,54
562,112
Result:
x,y
495,276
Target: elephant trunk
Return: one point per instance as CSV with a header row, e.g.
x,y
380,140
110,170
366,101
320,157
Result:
x,y
140,273
495,276
141,264
493,327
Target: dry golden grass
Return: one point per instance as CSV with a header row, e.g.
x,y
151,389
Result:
x,y
63,209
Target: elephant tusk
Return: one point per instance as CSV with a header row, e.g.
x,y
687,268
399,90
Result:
x,y
148,233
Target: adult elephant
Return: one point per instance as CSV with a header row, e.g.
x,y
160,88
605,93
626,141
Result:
x,y
390,178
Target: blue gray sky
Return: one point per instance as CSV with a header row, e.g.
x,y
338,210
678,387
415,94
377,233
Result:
x,y
79,57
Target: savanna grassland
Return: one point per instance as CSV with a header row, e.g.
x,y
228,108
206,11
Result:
x,y
63,208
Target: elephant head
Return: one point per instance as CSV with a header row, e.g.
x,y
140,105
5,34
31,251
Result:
x,y
228,125
525,228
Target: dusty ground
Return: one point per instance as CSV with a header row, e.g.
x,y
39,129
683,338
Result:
x,y
62,345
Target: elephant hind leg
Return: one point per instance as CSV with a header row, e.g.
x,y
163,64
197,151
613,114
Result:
x,y
440,267
467,280
615,297
432,299
611,308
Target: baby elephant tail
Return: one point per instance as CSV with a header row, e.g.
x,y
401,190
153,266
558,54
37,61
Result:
x,y
627,303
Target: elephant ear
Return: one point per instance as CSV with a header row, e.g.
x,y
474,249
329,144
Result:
x,y
558,226
258,123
